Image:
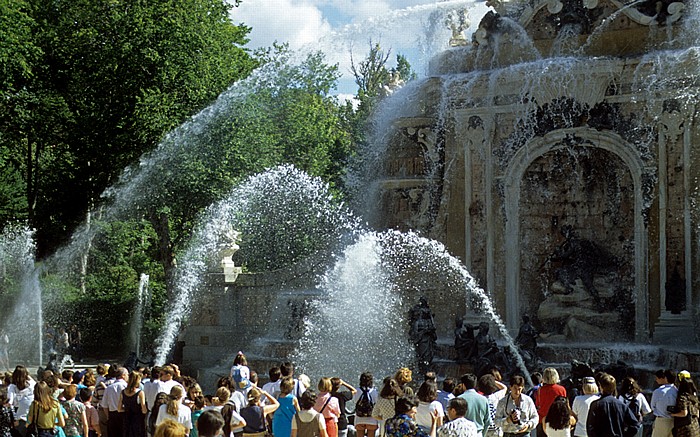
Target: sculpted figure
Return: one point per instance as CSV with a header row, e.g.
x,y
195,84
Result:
x,y
464,340
422,333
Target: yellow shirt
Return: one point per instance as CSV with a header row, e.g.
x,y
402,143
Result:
x,y
44,419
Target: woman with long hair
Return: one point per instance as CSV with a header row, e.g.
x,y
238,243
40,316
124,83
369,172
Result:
x,y
20,395
132,402
385,408
45,411
631,394
174,410
328,406
255,412
559,420
685,418
428,405
582,404
240,372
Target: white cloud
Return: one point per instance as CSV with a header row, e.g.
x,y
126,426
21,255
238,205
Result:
x,y
297,22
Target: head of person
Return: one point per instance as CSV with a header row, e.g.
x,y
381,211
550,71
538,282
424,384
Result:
x,y
403,376
69,391
286,385
193,391
550,376
629,387
469,381
101,369
134,381
448,385
287,369
223,394
683,374
210,423
687,386
85,394
20,377
590,387
240,359
496,374
305,380
487,384
308,400
89,379
4,399
670,376
43,395
366,380
608,385
536,378
170,428
67,375
406,405
390,389
325,385
226,381
274,374
427,392
559,414
253,397
517,385
431,376
457,407
336,383
167,373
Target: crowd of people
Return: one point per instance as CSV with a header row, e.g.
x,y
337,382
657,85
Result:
x,y
116,401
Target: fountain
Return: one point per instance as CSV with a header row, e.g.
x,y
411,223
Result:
x,y
136,325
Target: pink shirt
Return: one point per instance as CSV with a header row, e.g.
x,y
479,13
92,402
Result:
x,y
331,410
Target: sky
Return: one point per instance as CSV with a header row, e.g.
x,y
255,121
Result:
x,y
413,28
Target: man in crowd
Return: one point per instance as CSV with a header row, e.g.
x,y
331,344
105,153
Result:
x,y
661,399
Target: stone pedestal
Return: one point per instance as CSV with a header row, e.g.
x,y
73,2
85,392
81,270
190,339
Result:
x,y
674,329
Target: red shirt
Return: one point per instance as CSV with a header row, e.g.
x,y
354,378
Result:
x,y
545,397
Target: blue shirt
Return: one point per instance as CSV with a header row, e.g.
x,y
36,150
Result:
x,y
662,398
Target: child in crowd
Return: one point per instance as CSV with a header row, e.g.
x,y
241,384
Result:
x,y
91,414
197,410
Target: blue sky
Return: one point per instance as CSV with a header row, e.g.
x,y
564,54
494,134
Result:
x,y
339,28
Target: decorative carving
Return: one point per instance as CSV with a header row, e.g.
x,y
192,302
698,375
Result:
x,y
427,138
554,6
458,21
671,124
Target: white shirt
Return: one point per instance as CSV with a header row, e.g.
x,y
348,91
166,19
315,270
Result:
x,y
110,400
460,427
21,399
184,415
424,410
581,406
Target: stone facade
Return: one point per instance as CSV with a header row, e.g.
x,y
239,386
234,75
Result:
x,y
501,159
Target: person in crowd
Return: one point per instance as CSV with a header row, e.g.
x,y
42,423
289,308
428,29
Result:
x,y
582,404
444,395
174,410
20,395
287,369
631,394
7,414
110,401
662,398
45,411
494,391
343,396
197,407
170,428
91,414
328,406
365,400
132,405
559,420
193,391
609,416
209,424
536,378
458,425
255,412
403,424
272,386
403,377
428,405
308,422
548,391
685,413
516,413
477,405
289,406
76,421
240,373
385,407
233,422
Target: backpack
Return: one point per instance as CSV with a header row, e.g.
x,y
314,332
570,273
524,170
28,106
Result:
x,y
633,404
241,381
364,405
